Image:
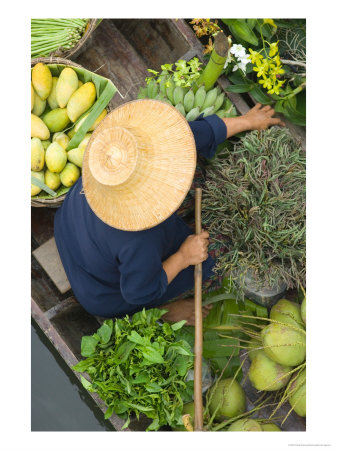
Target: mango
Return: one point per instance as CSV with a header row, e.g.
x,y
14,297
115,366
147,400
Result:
x,y
94,125
37,154
52,180
81,100
52,101
32,96
62,139
34,190
80,83
76,156
69,175
84,141
46,144
56,157
38,128
56,119
39,105
42,80
67,84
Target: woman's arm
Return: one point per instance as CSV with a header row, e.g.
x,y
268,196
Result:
x,y
256,118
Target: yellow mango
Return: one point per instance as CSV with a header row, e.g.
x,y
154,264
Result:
x,y
39,105
37,154
85,140
52,102
52,180
81,100
32,96
38,128
76,156
94,125
56,119
42,80
67,84
46,144
62,139
56,157
34,190
69,175
80,83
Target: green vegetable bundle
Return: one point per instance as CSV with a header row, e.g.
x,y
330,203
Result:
x,y
139,366
255,196
188,103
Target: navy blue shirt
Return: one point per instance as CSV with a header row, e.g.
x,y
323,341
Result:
x,y
114,272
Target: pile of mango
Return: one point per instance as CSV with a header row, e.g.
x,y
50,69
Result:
x,y
58,107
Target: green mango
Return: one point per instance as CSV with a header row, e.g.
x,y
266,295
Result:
x,y
56,119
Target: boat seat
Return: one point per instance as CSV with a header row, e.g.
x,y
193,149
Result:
x,y
48,257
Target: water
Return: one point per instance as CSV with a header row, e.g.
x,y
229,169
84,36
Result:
x,y
58,400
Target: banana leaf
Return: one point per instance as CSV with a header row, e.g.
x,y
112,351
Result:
x,y
105,90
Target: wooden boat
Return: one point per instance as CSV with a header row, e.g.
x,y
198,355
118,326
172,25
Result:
x,y
121,50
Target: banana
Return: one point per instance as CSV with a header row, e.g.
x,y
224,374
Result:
x,y
189,101
180,108
208,111
170,89
227,104
221,113
178,95
142,93
210,99
219,101
199,97
193,114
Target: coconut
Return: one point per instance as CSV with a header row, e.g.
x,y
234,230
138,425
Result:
x,y
188,408
227,399
304,310
286,311
284,344
298,399
254,347
267,375
245,425
270,427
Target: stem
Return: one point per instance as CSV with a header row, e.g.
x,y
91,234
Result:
x,y
215,64
293,63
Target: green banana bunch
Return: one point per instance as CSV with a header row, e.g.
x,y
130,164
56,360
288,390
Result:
x,y
188,103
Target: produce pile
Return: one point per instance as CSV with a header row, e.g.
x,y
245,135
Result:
x,y
255,197
64,112
53,36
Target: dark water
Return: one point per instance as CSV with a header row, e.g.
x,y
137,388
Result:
x,y
58,400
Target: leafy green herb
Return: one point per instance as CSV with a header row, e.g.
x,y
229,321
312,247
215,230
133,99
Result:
x,y
139,365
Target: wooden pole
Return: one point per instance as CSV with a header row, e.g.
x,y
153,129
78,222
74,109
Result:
x,y
198,415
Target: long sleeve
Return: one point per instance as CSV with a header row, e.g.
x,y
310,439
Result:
x,y
208,133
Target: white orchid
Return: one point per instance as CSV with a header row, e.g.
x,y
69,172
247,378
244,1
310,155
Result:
x,y
238,50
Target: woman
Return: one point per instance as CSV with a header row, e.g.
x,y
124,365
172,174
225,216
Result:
x,y
123,244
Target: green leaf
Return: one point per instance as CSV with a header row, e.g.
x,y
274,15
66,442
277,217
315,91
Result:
x,y
142,377
83,365
178,325
124,351
108,412
152,356
104,332
260,96
135,337
239,88
41,185
88,345
153,387
86,384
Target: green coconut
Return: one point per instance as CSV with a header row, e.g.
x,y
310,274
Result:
x,y
188,408
286,311
228,399
284,344
270,427
267,375
297,400
254,347
245,425
304,310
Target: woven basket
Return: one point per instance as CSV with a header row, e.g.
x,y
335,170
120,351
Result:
x,y
53,202
81,44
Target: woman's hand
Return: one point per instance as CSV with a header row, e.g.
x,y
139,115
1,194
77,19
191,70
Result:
x,y
260,118
194,249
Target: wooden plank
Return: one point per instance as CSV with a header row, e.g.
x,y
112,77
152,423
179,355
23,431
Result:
x,y
49,258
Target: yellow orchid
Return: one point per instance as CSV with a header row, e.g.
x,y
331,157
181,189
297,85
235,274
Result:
x,y
262,68
276,88
255,57
266,82
270,22
273,49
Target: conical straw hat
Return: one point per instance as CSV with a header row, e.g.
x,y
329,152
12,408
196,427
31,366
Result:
x,y
139,165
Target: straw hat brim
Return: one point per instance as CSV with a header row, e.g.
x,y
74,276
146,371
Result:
x,y
163,159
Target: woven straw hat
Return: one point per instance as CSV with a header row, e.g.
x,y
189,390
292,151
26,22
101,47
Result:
x,y
139,165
